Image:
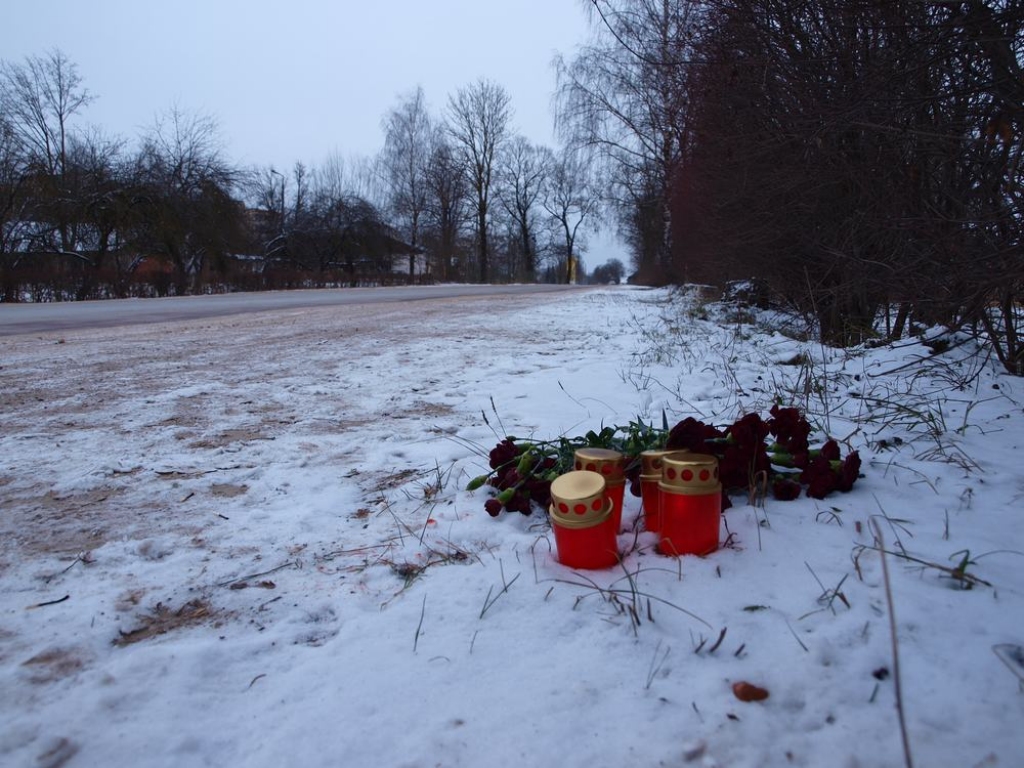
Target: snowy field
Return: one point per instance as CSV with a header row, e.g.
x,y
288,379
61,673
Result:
x,y
246,542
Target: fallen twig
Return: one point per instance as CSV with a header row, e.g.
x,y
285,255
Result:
x,y
230,582
718,642
253,681
49,602
419,627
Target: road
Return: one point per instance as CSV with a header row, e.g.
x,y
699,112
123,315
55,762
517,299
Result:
x,y
77,315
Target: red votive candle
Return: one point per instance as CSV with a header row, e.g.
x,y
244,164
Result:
x,y
581,518
611,466
691,504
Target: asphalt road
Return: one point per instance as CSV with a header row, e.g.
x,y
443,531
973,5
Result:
x,y
76,315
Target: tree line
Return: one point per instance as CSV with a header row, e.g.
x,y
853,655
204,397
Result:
x,y
456,195
859,160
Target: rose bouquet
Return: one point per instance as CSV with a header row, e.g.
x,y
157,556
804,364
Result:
x,y
787,464
754,455
521,471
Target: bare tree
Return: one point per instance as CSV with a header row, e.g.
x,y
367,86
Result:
x,y
332,233
266,188
331,176
524,169
14,205
73,188
447,199
625,97
569,199
478,122
98,211
403,165
39,98
302,179
192,217
612,271
266,192
346,235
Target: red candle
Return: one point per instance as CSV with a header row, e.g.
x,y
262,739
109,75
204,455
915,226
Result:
x,y
691,504
650,476
581,518
611,466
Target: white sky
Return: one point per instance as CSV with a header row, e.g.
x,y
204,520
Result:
x,y
302,79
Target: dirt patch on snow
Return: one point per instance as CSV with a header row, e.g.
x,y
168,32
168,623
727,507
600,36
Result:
x,y
152,457
163,619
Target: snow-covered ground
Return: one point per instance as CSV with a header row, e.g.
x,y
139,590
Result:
x,y
246,541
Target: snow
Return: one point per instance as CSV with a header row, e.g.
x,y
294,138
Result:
x,y
260,527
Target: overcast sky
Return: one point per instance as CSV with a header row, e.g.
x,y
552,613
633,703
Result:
x,y
292,80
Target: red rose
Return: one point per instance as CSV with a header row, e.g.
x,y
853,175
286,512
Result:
x,y
784,489
830,450
539,490
790,429
749,431
504,453
520,502
745,455
691,435
819,477
849,472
